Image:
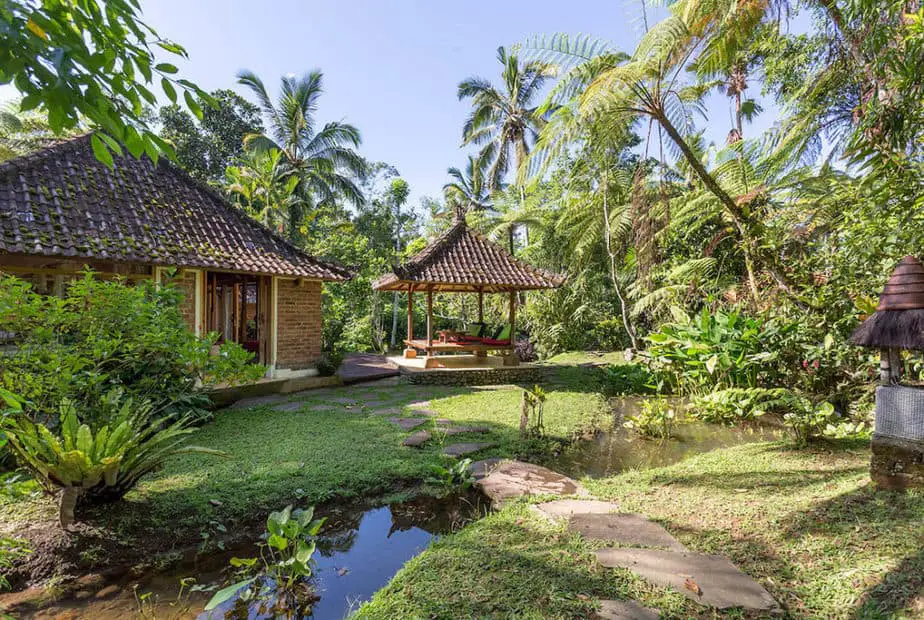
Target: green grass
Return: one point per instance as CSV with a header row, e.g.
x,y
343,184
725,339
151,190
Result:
x,y
324,451
806,524
585,357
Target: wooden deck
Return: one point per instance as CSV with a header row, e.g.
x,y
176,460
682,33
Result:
x,y
457,347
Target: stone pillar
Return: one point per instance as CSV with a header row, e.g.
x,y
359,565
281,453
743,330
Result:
x,y
898,440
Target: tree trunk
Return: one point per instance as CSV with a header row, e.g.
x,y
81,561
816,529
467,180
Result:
x,y
67,505
609,250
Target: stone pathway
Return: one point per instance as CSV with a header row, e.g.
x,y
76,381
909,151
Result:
x,y
707,579
417,439
641,545
461,449
408,423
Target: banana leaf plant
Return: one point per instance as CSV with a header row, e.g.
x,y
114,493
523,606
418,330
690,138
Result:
x,y
103,464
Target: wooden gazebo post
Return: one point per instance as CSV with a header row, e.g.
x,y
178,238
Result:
x,y
480,304
410,317
429,321
511,359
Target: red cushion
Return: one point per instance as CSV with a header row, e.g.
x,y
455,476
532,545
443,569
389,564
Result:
x,y
493,342
472,339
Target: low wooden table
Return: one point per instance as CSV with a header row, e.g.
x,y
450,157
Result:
x,y
446,335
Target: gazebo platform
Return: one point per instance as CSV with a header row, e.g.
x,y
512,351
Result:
x,y
466,370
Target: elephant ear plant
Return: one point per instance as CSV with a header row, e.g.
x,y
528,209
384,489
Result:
x,y
103,463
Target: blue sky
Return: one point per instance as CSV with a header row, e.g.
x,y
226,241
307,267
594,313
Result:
x,y
391,68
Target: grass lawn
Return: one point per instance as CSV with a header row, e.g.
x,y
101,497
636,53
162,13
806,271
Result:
x,y
308,449
806,524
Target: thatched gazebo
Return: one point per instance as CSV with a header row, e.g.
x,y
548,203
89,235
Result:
x,y
897,325
461,260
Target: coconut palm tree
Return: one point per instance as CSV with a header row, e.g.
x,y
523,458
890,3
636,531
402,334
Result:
x,y
505,123
468,189
323,157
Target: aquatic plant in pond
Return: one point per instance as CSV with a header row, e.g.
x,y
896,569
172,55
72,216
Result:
x,y
455,476
277,579
655,419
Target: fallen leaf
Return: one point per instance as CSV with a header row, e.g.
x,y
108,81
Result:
x,y
342,571
692,586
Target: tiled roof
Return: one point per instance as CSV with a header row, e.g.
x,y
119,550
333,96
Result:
x,y
462,260
62,202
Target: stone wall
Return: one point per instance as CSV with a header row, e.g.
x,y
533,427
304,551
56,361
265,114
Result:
x,y
897,463
298,317
476,376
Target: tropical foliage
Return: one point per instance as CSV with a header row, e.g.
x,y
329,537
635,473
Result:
x,y
103,462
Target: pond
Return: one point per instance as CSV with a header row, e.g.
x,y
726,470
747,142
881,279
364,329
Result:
x,y
609,453
359,552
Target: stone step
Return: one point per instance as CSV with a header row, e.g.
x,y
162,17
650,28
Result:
x,y
710,580
625,610
408,423
563,508
461,449
511,479
458,430
480,469
416,439
625,528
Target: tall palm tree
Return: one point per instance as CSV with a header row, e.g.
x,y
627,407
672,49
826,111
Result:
x,y
265,187
323,157
505,123
469,188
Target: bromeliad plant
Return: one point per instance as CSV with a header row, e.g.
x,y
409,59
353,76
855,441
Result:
x,y
277,580
102,463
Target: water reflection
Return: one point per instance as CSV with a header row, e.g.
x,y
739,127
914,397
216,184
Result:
x,y
609,453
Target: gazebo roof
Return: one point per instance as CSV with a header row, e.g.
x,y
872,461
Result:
x,y
899,319
461,260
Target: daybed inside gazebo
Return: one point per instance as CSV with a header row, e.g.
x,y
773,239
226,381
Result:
x,y
461,260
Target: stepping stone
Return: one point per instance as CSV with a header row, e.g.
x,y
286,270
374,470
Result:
x,y
343,400
514,479
625,610
427,412
480,469
456,430
461,449
395,411
709,580
625,528
321,408
443,422
407,423
415,440
296,406
568,507
258,401
374,404
420,404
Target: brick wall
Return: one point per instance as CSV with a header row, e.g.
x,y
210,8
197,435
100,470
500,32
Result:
x,y
477,376
298,333
185,282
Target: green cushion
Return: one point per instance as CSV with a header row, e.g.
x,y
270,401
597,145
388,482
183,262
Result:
x,y
474,329
505,333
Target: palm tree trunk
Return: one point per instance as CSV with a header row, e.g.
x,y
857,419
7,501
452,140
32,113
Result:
x,y
741,220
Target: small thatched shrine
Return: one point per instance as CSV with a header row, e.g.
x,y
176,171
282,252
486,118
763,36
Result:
x,y
897,326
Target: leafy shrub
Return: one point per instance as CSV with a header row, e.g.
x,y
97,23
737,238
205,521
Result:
x,y
715,350
808,420
532,407
734,405
329,363
625,379
102,462
277,579
106,335
525,350
656,419
456,476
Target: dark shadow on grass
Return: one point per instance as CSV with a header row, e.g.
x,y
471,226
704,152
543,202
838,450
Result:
x,y
870,516
756,479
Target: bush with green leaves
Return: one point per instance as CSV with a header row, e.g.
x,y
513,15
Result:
x,y
655,419
101,462
716,350
734,405
456,475
277,580
106,335
632,378
11,549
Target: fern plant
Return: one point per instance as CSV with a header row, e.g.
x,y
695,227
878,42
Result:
x,y
102,464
